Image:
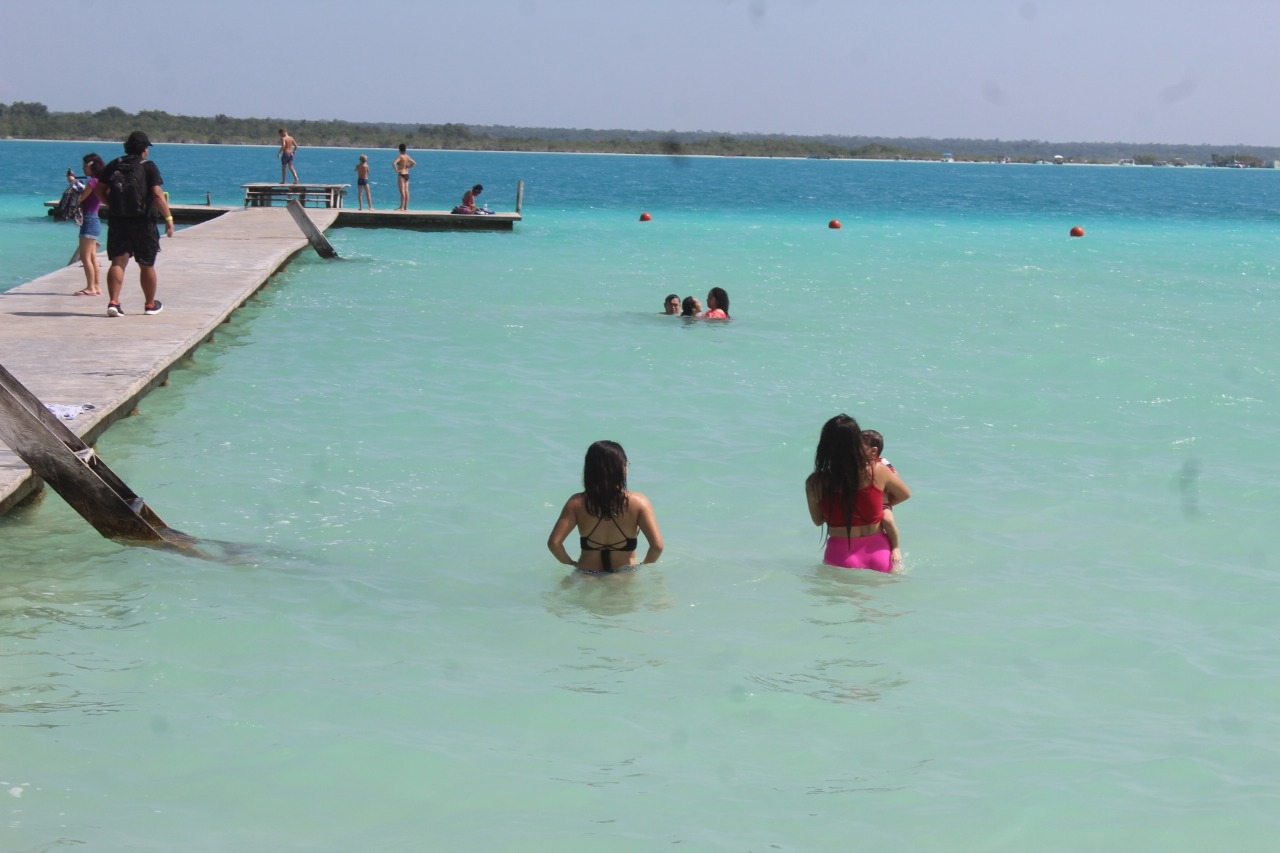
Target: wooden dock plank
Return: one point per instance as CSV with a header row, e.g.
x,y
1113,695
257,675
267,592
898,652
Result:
x,y
66,350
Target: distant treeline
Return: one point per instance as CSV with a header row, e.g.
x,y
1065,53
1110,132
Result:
x,y
25,120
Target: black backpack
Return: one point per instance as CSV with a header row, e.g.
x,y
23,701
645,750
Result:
x,y
69,206
127,184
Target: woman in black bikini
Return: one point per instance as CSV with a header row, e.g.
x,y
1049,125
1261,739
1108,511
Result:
x,y
608,517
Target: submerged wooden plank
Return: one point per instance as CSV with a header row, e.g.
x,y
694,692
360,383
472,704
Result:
x,y
67,351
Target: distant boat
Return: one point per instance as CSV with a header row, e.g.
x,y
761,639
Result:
x,y
1059,159
1127,161
947,158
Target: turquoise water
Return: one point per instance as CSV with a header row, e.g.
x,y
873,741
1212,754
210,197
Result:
x,y
382,655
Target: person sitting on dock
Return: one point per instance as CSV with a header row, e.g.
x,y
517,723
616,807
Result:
x,y
402,165
362,183
288,150
469,201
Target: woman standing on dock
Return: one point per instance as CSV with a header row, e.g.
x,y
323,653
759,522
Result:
x,y
402,165
90,226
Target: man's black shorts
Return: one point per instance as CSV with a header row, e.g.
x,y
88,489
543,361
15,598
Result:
x,y
137,237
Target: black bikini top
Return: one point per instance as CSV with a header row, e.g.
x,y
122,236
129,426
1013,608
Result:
x,y
589,544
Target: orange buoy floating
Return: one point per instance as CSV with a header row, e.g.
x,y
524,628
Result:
x,y
835,223
645,217
1077,231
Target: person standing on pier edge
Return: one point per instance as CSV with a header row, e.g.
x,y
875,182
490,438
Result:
x,y
288,150
132,185
402,165
362,183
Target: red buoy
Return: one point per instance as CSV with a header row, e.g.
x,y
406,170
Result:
x,y
835,223
645,217
1077,231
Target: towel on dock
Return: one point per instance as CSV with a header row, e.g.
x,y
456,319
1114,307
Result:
x,y
68,413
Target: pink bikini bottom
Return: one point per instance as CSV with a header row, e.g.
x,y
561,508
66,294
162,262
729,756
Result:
x,y
861,552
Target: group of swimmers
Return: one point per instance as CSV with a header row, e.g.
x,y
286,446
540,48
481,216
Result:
x,y
852,490
717,305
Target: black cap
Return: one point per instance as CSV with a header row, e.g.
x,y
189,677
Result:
x,y
136,143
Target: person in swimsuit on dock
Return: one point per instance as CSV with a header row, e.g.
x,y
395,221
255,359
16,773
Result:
x,y
469,200
402,165
848,492
288,150
362,183
607,516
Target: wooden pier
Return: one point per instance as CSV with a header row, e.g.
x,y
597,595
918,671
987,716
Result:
x,y
411,220
67,351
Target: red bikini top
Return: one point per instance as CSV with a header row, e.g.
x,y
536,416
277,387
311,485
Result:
x,y
868,508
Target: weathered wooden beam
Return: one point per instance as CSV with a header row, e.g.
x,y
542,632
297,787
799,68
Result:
x,y
314,235
73,470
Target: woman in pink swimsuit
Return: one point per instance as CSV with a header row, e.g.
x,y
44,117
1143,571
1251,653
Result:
x,y
848,492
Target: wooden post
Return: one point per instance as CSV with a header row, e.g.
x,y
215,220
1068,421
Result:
x,y
317,239
74,471
519,195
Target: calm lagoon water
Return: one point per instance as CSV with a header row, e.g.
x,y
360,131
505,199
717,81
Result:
x,y
380,653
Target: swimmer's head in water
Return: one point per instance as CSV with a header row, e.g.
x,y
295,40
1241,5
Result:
x,y
672,303
721,299
604,479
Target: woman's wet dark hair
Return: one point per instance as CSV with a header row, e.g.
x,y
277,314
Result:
x,y
93,164
841,463
477,189
722,299
687,307
604,479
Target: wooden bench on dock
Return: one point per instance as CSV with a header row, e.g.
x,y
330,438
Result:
x,y
308,195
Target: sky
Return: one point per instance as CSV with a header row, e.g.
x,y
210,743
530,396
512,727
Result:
x,y
1140,71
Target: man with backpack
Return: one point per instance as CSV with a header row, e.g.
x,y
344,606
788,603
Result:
x,y
133,187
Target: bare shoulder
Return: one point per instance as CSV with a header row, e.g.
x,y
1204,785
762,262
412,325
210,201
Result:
x,y
639,500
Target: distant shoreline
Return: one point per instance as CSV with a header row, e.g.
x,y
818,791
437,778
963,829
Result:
x,y
33,122
391,149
